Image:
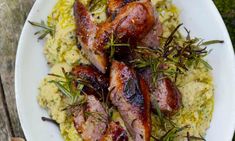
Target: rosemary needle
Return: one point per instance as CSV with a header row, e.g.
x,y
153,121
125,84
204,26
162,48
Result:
x,y
45,29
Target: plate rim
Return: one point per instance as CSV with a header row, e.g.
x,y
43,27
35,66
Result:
x,y
19,52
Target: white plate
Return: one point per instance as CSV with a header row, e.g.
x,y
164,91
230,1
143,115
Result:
x,y
200,16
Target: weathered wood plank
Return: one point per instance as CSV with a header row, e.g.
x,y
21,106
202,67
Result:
x,y
5,129
12,14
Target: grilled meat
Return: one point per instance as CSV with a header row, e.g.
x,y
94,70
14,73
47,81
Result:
x,y
86,32
115,132
91,120
98,81
164,93
130,100
152,38
114,6
133,22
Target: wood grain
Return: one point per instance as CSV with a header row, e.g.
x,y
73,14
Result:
x,y
5,127
12,15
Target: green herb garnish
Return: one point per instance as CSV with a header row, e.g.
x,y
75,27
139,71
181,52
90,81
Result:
x,y
50,120
69,87
172,133
97,115
112,44
189,137
45,29
174,56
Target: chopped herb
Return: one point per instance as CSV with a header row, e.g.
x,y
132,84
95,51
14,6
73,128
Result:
x,y
45,29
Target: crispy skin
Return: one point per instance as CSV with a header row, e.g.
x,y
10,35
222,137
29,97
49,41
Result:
x,y
91,120
164,93
115,132
152,37
114,6
86,32
133,22
92,76
130,100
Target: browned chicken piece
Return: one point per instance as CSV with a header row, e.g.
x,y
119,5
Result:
x,y
98,81
164,93
130,100
91,120
152,39
115,5
115,132
86,33
133,22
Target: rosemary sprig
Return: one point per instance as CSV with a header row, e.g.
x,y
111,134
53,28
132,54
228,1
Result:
x,y
45,29
160,115
112,44
172,133
175,56
189,137
50,120
69,87
97,115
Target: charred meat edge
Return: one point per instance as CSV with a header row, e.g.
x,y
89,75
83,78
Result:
x,y
131,99
115,132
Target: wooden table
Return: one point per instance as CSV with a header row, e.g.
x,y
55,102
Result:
x,y
12,15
